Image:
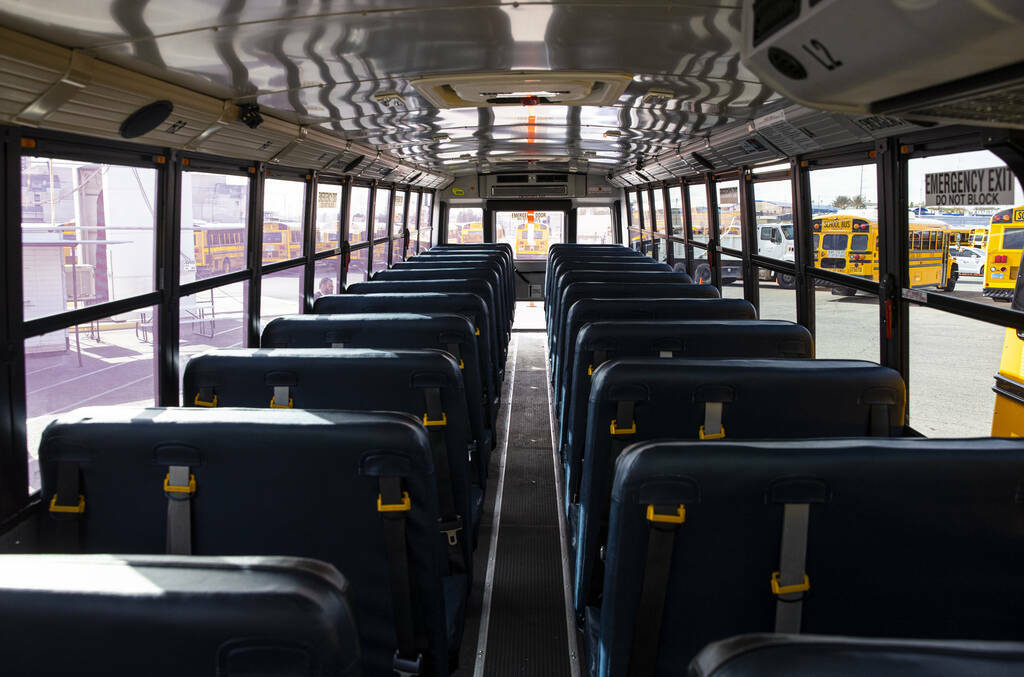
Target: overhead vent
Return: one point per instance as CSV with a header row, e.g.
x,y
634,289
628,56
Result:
x,y
531,190
563,88
512,178
949,66
552,178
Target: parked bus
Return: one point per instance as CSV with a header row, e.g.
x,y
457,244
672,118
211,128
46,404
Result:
x,y
532,237
281,241
219,248
1002,253
848,244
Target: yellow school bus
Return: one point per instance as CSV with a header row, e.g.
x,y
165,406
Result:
x,y
532,237
979,237
848,244
281,241
1002,254
219,248
1008,414
471,233
961,237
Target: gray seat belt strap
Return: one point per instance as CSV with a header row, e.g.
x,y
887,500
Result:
x,y
712,428
282,398
67,507
456,352
879,420
790,583
179,485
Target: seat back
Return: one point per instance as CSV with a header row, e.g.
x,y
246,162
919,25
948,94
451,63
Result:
x,y
467,305
267,482
565,335
611,255
778,655
63,614
904,537
609,277
452,333
442,273
457,286
494,260
424,383
755,399
610,263
701,336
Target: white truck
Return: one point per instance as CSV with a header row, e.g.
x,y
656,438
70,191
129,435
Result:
x,y
774,241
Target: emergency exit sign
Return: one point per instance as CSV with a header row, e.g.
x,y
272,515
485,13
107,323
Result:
x,y
969,187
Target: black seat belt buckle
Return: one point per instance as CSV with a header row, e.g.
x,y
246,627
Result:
x,y
408,667
451,528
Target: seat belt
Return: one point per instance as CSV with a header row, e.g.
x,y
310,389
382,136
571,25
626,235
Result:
x,y
206,397
67,507
179,486
664,522
714,398
790,583
282,398
623,425
393,504
600,357
450,522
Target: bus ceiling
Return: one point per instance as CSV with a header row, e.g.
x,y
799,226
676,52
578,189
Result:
x,y
419,93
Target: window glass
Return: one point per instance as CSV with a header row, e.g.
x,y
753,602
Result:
x,y
87,233
634,211
328,216
210,319
357,266
729,229
281,294
426,209
845,323
777,296
214,230
282,220
398,220
635,239
659,210
936,338
644,222
844,202
380,213
397,248
107,362
465,225
675,210
380,256
530,233
414,228
660,249
358,210
773,206
699,212
594,225
326,277
995,228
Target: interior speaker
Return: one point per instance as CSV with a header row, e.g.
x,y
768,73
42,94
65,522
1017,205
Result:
x,y
146,119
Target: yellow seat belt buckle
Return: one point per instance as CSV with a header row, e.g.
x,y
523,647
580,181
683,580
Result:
x,y
462,365
590,370
73,509
190,488
404,506
678,518
275,405
716,436
440,422
477,333
623,431
203,403
779,589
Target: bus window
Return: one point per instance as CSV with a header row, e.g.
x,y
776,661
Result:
x,y
397,226
380,257
87,238
328,216
107,362
530,233
658,207
675,211
214,318
699,213
283,204
594,225
382,201
281,294
426,222
214,230
358,214
465,225
357,266
634,210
